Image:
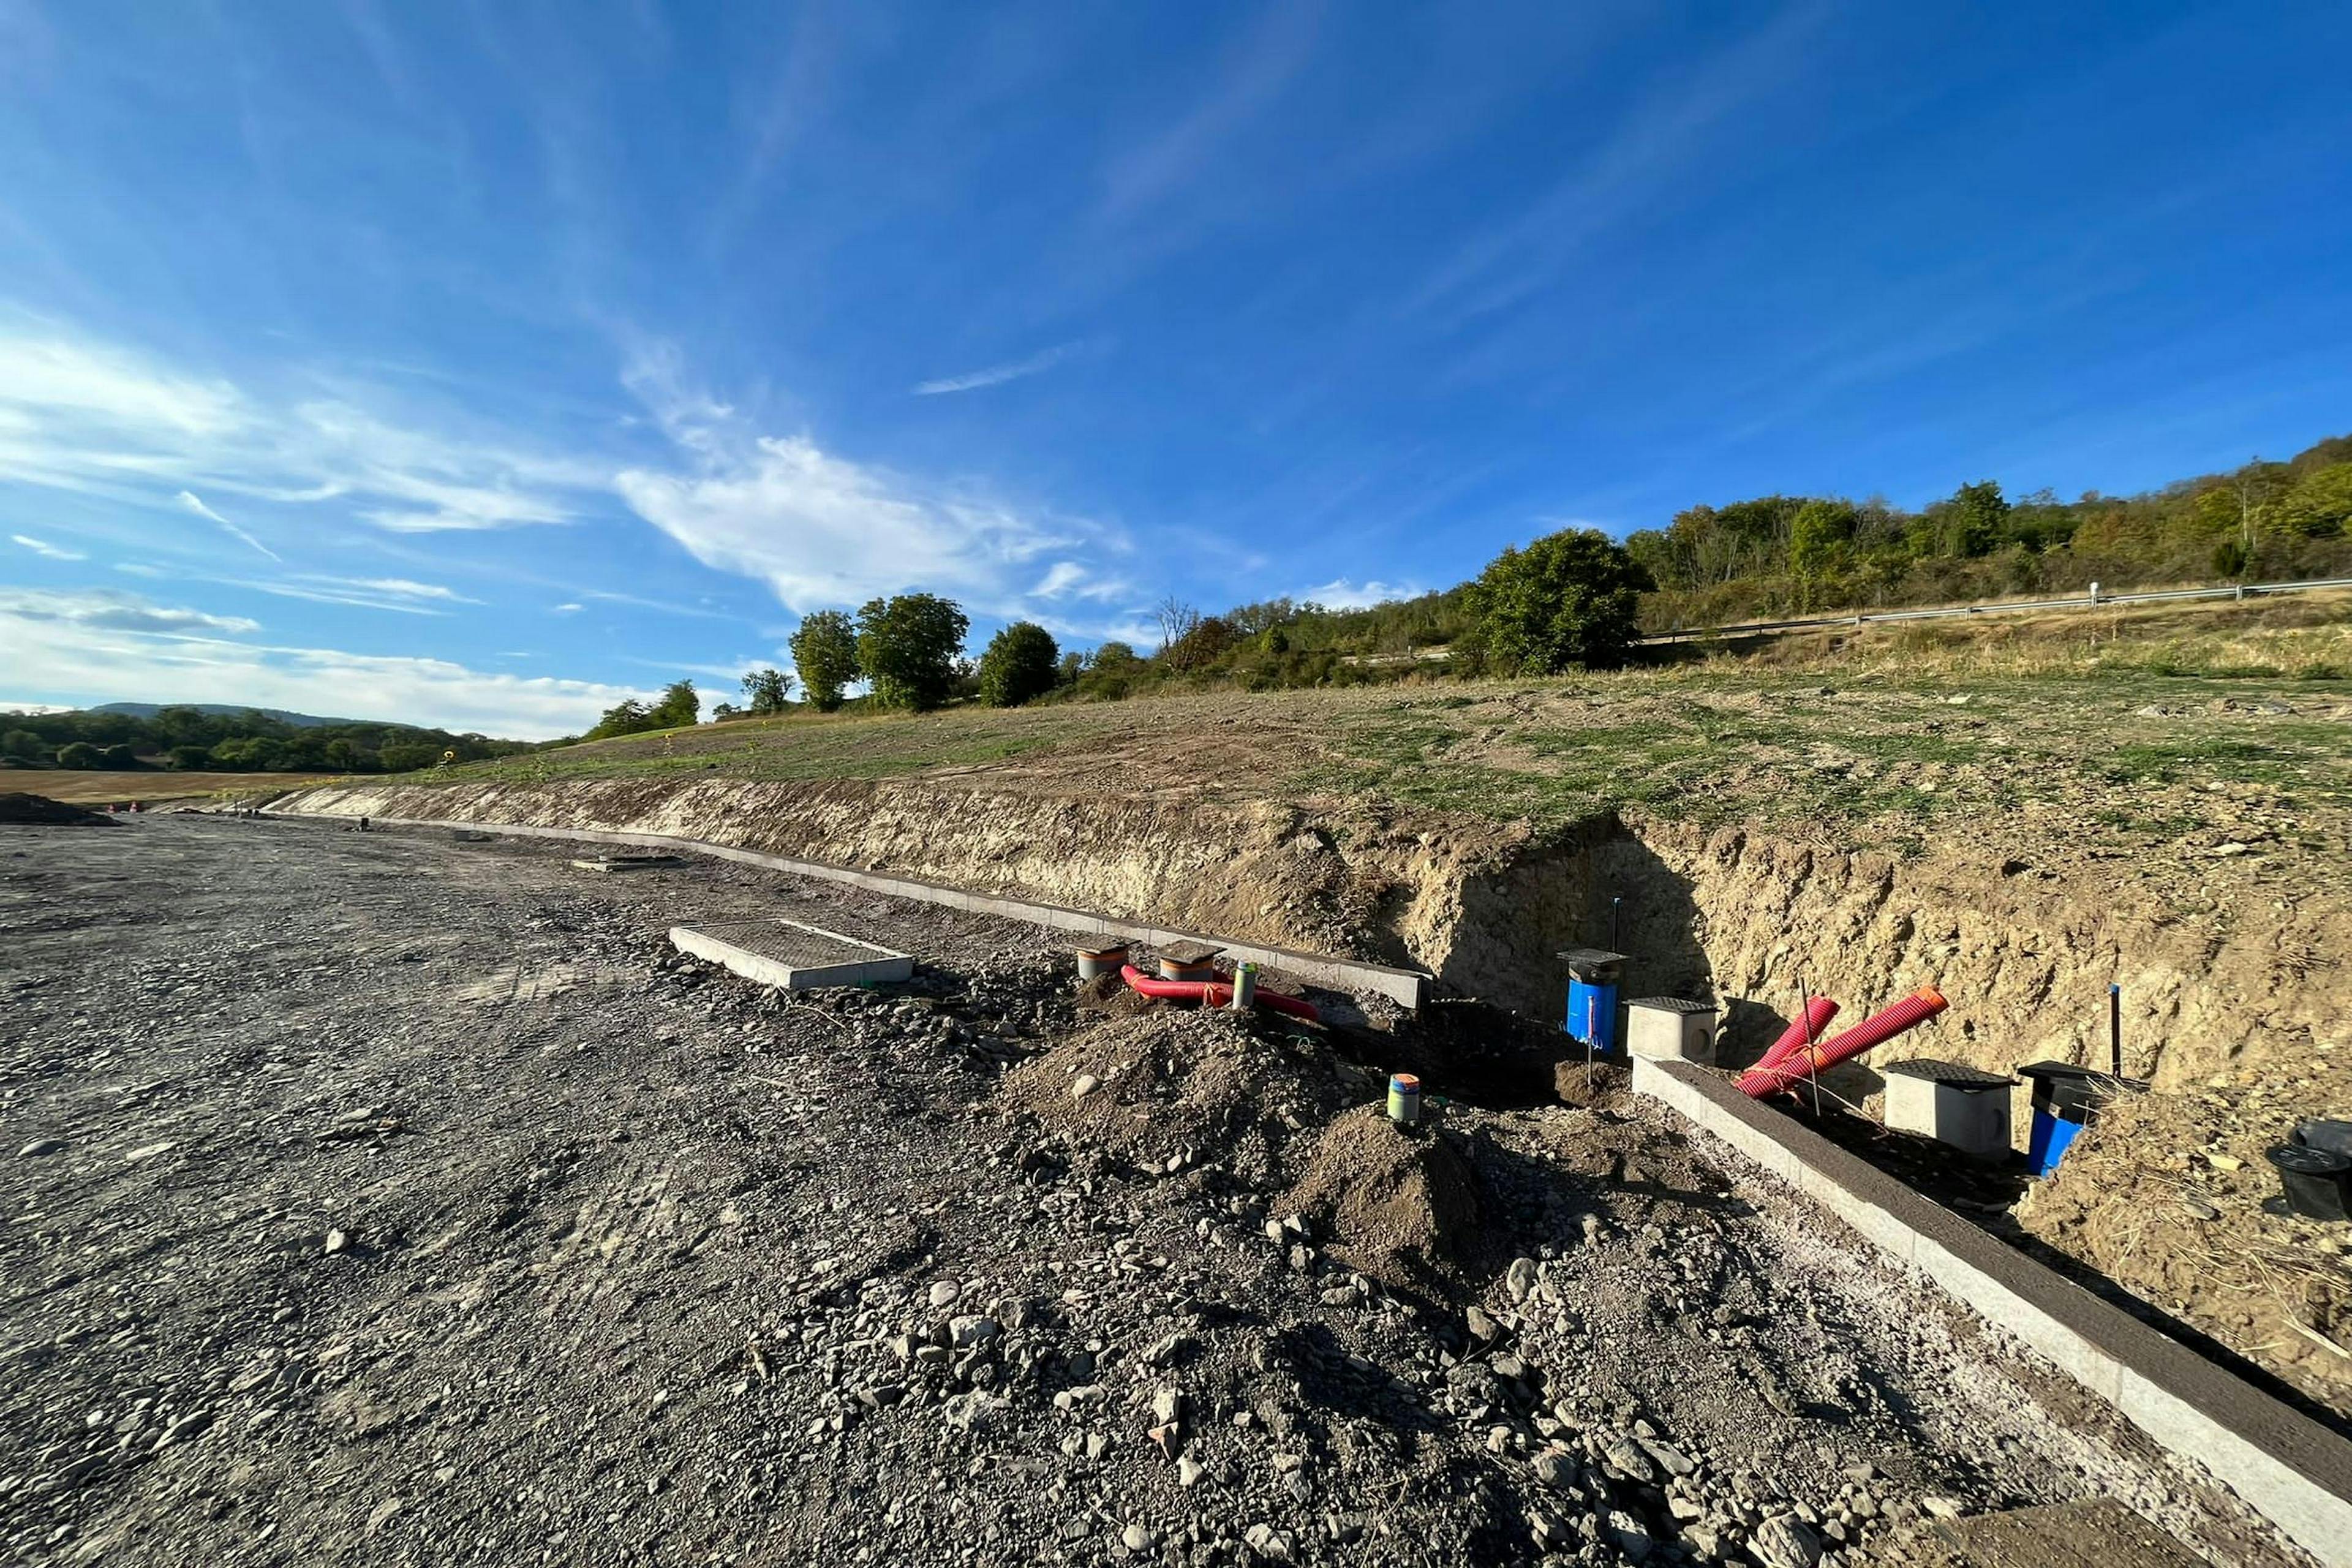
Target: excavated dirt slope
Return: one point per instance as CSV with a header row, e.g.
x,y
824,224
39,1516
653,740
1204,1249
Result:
x,y
2026,951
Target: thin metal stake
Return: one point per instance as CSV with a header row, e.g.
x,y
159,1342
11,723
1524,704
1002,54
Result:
x,y
1805,1012
2116,1029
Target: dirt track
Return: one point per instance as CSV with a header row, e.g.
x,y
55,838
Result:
x,y
408,1203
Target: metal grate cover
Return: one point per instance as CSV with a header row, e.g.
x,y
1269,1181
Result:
x,y
1958,1075
1672,1005
798,957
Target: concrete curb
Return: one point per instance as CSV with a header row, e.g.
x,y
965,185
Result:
x,y
2289,1468
1405,986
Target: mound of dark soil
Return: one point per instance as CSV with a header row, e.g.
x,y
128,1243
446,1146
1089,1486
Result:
x,y
1108,993
1171,1088
1398,1207
19,809
1588,1086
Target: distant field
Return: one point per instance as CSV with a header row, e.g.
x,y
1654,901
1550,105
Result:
x,y
90,788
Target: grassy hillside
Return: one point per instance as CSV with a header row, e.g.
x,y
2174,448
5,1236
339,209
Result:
x,y
2140,726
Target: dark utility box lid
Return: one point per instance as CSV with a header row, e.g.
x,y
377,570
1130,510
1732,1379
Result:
x,y
2074,1093
1672,1005
1954,1074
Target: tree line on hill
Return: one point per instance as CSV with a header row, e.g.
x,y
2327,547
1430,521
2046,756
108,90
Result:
x,y
1568,600
1571,600
1578,599
190,740
908,649
1793,554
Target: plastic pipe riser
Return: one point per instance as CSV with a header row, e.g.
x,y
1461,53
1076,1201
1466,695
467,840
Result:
x,y
1877,1029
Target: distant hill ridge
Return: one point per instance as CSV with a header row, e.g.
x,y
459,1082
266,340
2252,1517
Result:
x,y
283,716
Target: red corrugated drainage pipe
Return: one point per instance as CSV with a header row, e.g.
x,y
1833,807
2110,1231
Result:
x,y
1211,994
1877,1029
1804,1031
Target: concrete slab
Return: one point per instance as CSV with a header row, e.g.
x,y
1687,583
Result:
x,y
791,956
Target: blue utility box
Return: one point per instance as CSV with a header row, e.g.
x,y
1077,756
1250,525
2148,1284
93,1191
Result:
x,y
1592,980
2066,1099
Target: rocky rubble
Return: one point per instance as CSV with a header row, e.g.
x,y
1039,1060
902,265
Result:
x,y
399,1200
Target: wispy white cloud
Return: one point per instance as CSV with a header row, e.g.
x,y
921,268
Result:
x,y
729,676
189,500
355,592
1074,580
666,606
997,375
565,609
111,610
43,548
1635,168
95,647
1342,593
820,529
1248,82
80,413
403,587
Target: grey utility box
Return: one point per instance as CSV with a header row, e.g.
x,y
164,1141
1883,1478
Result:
x,y
1666,1028
1950,1103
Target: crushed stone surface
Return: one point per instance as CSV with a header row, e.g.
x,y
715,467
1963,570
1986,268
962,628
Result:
x,y
381,1197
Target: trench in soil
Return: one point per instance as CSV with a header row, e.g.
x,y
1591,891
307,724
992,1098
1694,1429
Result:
x,y
1747,920
1739,917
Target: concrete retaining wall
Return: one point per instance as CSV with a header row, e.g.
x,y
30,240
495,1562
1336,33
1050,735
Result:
x,y
2291,1471
1353,975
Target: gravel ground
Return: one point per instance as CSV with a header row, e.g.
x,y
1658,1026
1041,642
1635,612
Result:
x,y
384,1198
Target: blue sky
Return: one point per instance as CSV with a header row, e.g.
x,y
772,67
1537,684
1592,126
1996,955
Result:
x,y
480,363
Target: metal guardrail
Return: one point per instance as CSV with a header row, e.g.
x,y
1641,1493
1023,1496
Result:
x,y
2073,601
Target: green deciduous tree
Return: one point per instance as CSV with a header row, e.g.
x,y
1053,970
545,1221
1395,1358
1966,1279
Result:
x,y
1018,665
80,754
2320,505
680,705
906,646
1568,600
825,651
1975,518
626,717
1818,537
767,690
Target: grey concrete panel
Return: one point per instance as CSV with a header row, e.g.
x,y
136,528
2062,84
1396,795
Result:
x,y
791,956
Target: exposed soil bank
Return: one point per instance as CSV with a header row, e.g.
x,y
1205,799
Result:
x,y
2025,954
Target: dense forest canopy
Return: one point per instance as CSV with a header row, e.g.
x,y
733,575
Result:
x,y
247,742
